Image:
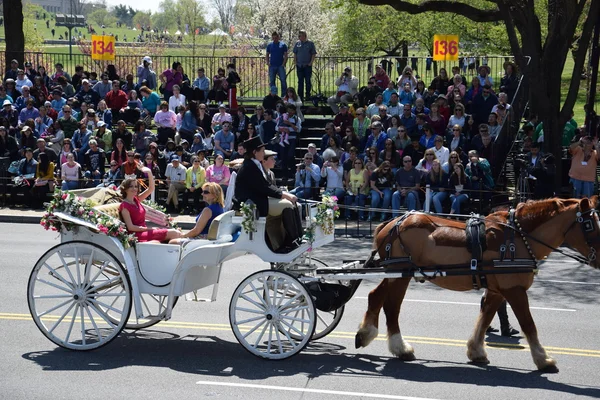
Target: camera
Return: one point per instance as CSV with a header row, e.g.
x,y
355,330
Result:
x,y
301,166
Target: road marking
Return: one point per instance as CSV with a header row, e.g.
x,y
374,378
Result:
x,y
573,282
342,335
473,304
307,390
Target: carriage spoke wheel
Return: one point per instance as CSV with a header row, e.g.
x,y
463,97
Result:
x,y
327,321
264,315
79,295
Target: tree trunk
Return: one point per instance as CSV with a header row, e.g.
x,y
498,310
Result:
x,y
13,26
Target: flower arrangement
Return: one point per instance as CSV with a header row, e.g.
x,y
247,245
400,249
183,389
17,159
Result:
x,y
249,221
327,212
69,203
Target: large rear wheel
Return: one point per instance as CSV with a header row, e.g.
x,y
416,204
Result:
x,y
79,295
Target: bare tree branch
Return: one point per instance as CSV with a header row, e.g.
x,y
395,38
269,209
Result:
x,y
588,27
470,12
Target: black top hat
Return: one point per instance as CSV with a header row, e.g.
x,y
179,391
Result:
x,y
253,144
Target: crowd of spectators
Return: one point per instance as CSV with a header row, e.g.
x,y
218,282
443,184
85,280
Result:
x,y
387,140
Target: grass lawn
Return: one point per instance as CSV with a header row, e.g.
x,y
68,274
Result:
x,y
581,96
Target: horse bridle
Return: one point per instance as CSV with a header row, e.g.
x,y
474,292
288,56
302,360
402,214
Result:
x,y
587,222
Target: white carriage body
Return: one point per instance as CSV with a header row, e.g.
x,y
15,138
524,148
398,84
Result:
x,y
177,270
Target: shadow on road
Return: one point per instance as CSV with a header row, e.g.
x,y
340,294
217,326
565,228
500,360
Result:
x,y
212,356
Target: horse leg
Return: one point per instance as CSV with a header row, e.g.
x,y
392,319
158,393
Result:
x,y
391,307
368,329
476,344
518,300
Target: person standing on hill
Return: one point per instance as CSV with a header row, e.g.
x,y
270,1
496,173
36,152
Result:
x,y
276,58
304,55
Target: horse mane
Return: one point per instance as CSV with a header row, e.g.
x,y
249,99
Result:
x,y
532,214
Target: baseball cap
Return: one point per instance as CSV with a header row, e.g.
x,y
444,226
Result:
x,y
6,103
83,81
147,59
100,124
270,153
175,158
222,106
312,145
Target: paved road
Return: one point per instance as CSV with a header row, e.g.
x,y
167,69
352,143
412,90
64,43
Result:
x,y
195,355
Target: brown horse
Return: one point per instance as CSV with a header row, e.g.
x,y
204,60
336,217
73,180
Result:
x,y
435,241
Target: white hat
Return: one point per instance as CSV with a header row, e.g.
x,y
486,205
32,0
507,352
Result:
x,y
6,103
147,59
100,124
84,81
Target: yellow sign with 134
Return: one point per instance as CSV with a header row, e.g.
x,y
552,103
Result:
x,y
445,47
103,47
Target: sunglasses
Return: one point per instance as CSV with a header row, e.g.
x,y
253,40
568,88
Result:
x,y
130,155
407,161
359,114
456,130
430,155
205,192
357,163
453,157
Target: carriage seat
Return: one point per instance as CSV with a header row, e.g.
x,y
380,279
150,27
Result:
x,y
111,210
221,230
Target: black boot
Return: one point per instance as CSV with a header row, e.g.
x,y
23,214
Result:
x,y
293,227
505,328
490,328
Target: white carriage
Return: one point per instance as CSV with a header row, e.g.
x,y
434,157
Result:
x,y
83,292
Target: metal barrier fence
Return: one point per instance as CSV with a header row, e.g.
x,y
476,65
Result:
x,y
254,71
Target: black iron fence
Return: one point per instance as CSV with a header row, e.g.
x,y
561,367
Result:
x,y
254,72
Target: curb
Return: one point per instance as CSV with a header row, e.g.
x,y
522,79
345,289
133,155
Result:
x,y
20,219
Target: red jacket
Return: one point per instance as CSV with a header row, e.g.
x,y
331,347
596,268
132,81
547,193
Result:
x,y
116,100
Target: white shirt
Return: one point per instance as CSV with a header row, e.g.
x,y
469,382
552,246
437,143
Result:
x,y
175,102
335,178
259,166
442,154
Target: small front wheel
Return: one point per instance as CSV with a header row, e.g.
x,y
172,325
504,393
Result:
x,y
272,315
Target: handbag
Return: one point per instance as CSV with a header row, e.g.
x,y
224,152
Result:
x,y
161,88
14,168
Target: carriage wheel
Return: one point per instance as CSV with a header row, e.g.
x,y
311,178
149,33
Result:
x,y
261,314
155,307
79,295
327,321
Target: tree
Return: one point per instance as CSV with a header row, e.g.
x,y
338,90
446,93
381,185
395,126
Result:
x,y
226,12
34,41
142,18
191,16
101,16
124,14
13,22
540,34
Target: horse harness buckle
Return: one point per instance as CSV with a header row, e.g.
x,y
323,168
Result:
x,y
477,244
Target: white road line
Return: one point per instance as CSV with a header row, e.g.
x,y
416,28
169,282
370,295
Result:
x,y
573,282
306,390
475,304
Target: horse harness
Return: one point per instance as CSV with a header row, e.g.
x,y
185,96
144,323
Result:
x,y
477,245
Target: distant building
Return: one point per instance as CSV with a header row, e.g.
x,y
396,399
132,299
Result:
x,y
56,6
68,6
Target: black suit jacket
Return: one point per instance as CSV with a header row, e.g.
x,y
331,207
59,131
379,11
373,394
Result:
x,y
250,184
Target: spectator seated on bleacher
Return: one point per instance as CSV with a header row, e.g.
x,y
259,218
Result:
x,y
381,183
357,185
194,180
166,122
480,173
219,172
8,145
459,186
408,182
347,88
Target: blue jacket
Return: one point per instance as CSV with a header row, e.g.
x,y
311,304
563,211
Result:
x,y
380,144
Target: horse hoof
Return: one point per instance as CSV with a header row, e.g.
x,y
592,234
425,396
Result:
x,y
364,336
407,357
480,360
549,369
357,341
